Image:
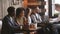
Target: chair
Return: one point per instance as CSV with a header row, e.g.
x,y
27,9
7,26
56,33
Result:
x,y
0,25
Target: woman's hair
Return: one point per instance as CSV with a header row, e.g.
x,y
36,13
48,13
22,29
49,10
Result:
x,y
18,11
27,12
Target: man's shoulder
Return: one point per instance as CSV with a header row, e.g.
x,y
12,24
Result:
x,y
5,17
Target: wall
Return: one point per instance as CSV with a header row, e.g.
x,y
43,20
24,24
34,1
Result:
x,y
0,10
4,4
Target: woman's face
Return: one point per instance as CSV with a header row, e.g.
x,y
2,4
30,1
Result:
x,y
22,14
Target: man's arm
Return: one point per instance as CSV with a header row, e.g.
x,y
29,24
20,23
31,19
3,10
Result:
x,y
10,24
34,19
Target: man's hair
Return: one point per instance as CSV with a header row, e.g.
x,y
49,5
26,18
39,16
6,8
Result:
x,y
11,9
19,10
57,5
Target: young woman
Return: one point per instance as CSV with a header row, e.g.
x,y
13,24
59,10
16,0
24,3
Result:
x,y
28,15
20,16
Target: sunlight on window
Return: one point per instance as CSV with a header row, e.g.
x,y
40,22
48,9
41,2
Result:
x,y
46,7
57,1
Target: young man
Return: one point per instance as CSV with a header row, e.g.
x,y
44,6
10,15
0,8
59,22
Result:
x,y
8,23
36,18
57,26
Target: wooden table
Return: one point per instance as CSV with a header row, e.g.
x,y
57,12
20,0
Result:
x,y
30,31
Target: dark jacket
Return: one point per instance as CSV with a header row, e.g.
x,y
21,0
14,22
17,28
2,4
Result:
x,y
8,27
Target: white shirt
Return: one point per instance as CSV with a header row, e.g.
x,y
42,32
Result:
x,y
33,18
11,19
38,17
29,20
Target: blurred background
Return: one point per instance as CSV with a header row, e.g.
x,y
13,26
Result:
x,y
49,6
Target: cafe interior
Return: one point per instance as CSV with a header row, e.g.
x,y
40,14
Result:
x,y
47,20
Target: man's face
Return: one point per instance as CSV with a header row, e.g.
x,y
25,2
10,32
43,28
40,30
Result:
x,y
34,11
57,8
13,14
